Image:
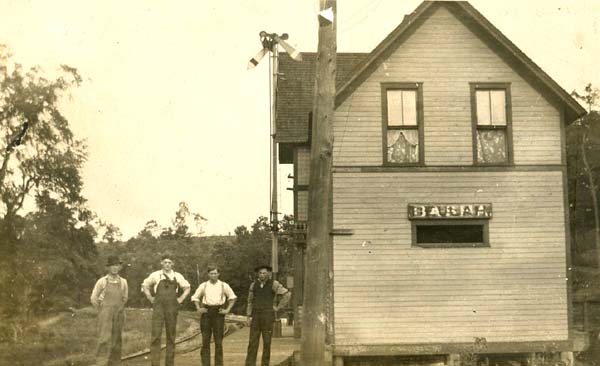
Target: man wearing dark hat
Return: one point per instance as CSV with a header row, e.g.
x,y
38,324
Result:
x,y
165,284
109,297
261,309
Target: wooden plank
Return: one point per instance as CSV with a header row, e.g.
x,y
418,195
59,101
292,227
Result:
x,y
397,241
477,313
349,319
461,338
449,260
405,284
550,272
507,300
469,328
447,348
418,299
426,296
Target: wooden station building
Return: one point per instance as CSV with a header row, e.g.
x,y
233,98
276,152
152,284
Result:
x,y
449,185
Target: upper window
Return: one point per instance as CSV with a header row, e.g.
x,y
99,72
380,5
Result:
x,y
491,110
403,123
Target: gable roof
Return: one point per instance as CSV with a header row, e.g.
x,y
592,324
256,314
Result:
x,y
295,91
485,30
296,102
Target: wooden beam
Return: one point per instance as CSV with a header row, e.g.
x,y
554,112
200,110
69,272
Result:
x,y
451,348
342,232
567,358
586,317
453,359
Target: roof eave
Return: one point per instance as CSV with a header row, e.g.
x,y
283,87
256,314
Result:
x,y
574,109
345,90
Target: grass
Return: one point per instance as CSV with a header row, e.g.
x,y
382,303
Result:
x,y
70,338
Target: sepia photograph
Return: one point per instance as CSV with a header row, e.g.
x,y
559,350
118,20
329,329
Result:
x,y
300,183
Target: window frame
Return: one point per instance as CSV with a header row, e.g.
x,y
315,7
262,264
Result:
x,y
450,222
418,87
487,86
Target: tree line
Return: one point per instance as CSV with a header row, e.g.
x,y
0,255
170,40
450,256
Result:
x,y
236,255
583,174
49,255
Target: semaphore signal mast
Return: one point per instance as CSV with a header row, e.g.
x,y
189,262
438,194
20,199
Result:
x,y
270,43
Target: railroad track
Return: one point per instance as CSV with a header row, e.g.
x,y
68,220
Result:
x,y
193,338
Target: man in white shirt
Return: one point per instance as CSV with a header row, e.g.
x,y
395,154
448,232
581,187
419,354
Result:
x,y
213,299
166,285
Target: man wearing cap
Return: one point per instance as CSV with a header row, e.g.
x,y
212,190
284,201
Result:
x,y
261,309
165,284
213,299
109,297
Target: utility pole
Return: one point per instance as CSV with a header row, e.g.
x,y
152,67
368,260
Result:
x,y
317,316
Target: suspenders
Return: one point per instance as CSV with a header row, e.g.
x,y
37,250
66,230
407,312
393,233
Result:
x,y
171,280
203,292
101,295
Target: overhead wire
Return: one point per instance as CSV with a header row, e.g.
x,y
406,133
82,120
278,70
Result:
x,y
364,12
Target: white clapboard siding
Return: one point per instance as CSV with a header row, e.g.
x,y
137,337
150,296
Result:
x,y
388,292
445,56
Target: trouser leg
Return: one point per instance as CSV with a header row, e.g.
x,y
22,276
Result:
x,y
171,331
253,341
116,340
104,327
266,325
158,320
218,330
206,329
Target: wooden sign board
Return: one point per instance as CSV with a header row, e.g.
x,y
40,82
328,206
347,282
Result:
x,y
450,211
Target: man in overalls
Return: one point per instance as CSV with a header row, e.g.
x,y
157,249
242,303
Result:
x,y
165,306
261,311
109,297
213,299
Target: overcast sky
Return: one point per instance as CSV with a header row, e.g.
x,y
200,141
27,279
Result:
x,y
171,114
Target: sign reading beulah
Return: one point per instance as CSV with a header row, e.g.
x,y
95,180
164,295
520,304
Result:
x,y
450,211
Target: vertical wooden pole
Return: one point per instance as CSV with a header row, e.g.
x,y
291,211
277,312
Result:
x,y
567,358
586,316
317,291
274,206
453,359
532,360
